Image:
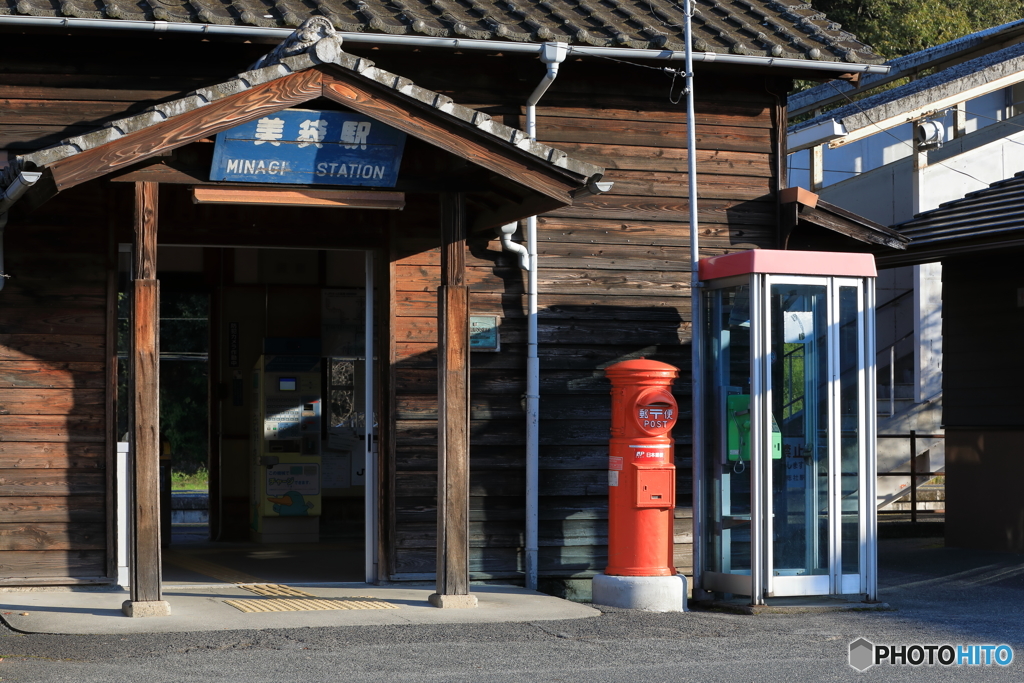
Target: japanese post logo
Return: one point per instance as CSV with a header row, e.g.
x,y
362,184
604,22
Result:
x,y
657,413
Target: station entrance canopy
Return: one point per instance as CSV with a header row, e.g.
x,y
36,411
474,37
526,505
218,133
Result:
x,y
504,175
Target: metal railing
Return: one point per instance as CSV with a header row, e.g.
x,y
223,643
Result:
x,y
913,473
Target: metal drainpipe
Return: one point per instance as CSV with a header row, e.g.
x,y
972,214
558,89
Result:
x,y
551,54
18,187
506,46
696,323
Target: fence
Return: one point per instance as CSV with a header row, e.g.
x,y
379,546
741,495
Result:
x,y
913,473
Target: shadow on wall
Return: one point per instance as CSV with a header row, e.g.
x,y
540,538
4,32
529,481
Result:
x,y
580,333
53,454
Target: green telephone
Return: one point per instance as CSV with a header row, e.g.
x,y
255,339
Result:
x,y
737,419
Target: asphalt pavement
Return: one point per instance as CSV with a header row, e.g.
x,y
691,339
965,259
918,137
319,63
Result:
x,y
938,596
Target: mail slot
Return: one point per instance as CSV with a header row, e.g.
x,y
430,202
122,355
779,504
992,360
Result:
x,y
641,473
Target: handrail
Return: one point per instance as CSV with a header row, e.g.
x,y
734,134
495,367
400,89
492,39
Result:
x,y
893,300
913,473
905,337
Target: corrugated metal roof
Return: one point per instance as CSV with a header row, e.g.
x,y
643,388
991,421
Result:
x,y
768,28
314,43
990,214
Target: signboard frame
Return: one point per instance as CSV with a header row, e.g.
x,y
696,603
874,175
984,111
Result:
x,y
310,147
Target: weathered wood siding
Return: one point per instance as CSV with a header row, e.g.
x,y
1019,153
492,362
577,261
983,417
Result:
x,y
614,285
53,398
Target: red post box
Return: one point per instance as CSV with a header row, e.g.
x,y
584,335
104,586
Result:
x,y
641,469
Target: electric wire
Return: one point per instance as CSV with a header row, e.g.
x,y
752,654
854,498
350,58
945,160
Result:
x,y
1004,121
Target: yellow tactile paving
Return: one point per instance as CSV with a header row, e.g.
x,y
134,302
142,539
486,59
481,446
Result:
x,y
307,605
278,597
274,589
214,571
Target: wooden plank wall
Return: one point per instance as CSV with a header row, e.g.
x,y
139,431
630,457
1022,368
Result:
x,y
982,324
80,82
614,282
614,285
53,397
54,492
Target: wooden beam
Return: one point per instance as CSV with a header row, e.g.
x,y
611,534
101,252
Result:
x,y
144,357
144,246
197,124
453,411
287,196
163,172
459,138
849,228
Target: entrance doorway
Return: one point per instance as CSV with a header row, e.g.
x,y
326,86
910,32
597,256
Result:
x,y
250,304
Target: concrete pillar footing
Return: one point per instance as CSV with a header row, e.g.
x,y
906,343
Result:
x,y
452,601
147,608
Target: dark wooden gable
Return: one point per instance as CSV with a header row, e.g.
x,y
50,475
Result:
x,y
518,178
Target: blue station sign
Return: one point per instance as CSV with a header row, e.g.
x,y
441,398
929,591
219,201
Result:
x,y
310,147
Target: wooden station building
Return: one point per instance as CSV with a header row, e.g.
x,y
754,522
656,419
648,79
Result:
x,y
109,121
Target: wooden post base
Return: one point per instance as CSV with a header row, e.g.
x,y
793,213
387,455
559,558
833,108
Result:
x,y
452,601
146,608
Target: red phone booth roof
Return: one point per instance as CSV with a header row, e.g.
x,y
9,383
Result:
x,y
777,262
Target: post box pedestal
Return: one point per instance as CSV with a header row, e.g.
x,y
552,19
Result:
x,y
650,593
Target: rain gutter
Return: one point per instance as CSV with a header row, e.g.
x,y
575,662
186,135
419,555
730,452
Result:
x,y
251,32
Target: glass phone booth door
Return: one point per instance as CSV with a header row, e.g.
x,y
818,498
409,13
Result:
x,y
787,500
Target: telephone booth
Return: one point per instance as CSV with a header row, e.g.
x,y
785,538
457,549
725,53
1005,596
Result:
x,y
785,501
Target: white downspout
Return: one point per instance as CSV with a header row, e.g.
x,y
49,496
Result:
x,y
505,232
696,322
552,54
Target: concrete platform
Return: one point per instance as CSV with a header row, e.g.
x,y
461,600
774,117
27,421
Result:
x,y
199,608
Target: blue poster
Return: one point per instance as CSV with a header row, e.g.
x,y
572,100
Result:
x,y
310,148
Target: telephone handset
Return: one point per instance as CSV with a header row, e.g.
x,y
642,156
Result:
x,y
737,420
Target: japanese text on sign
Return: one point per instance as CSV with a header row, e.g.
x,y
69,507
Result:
x,y
310,147
655,418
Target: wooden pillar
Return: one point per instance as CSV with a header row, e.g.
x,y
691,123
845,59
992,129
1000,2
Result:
x,y
144,416
453,411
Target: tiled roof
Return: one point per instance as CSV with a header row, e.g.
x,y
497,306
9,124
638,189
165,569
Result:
x,y
768,28
994,67
996,210
989,220
312,44
934,58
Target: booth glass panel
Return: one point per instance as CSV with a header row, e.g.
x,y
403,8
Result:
x,y
850,416
728,494
800,407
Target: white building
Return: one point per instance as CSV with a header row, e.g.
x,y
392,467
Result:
x,y
888,153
